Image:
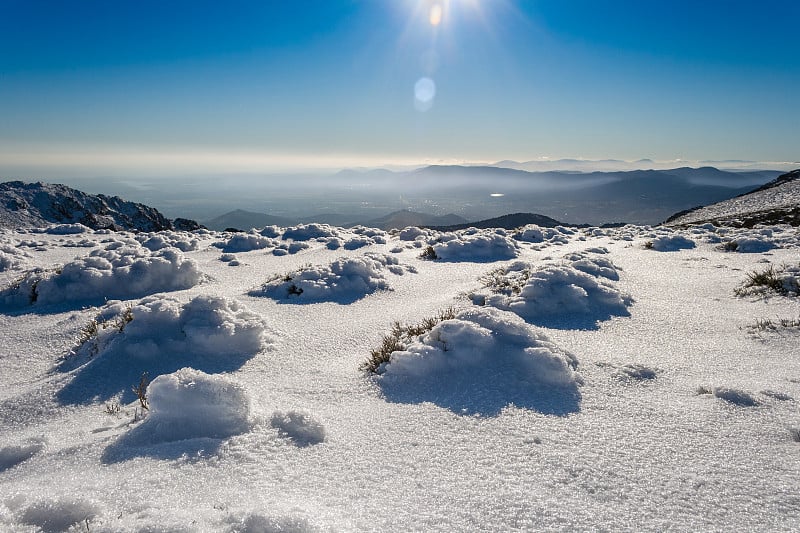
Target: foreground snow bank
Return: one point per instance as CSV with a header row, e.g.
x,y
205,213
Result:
x,y
575,293
190,404
345,280
159,335
480,362
115,272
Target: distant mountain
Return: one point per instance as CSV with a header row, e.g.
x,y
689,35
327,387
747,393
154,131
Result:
x,y
40,204
640,196
617,165
776,202
246,220
402,219
512,221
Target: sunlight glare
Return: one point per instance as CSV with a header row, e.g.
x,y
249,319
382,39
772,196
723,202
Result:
x,y
435,17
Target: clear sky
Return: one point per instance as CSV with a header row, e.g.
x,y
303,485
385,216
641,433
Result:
x,y
184,85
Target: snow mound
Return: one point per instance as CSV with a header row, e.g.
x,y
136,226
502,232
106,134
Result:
x,y
344,281
245,242
300,426
533,233
9,262
261,523
670,243
11,456
271,231
114,272
476,247
11,257
589,263
749,245
190,404
168,239
159,335
574,294
411,233
67,229
59,515
480,362
306,232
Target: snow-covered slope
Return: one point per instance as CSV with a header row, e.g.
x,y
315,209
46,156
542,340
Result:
x,y
316,378
41,204
777,202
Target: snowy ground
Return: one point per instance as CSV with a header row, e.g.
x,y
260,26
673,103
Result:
x,y
588,380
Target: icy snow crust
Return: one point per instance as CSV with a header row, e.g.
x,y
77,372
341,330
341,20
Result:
x,y
635,392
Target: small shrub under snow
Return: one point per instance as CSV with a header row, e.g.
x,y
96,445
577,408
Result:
x,y
344,280
783,280
245,242
190,404
159,335
481,361
670,243
306,232
556,294
120,272
481,246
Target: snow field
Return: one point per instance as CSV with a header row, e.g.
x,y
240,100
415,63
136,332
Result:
x,y
635,453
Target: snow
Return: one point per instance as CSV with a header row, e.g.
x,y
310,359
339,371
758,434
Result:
x,y
670,243
480,362
785,196
305,232
11,456
648,400
575,293
344,280
159,335
300,426
58,515
477,246
245,242
114,272
190,404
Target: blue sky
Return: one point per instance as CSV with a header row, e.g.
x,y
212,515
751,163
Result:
x,y
178,86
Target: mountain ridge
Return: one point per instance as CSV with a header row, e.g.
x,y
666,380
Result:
x,y
39,204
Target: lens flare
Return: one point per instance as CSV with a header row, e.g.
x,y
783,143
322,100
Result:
x,y
424,93
436,13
